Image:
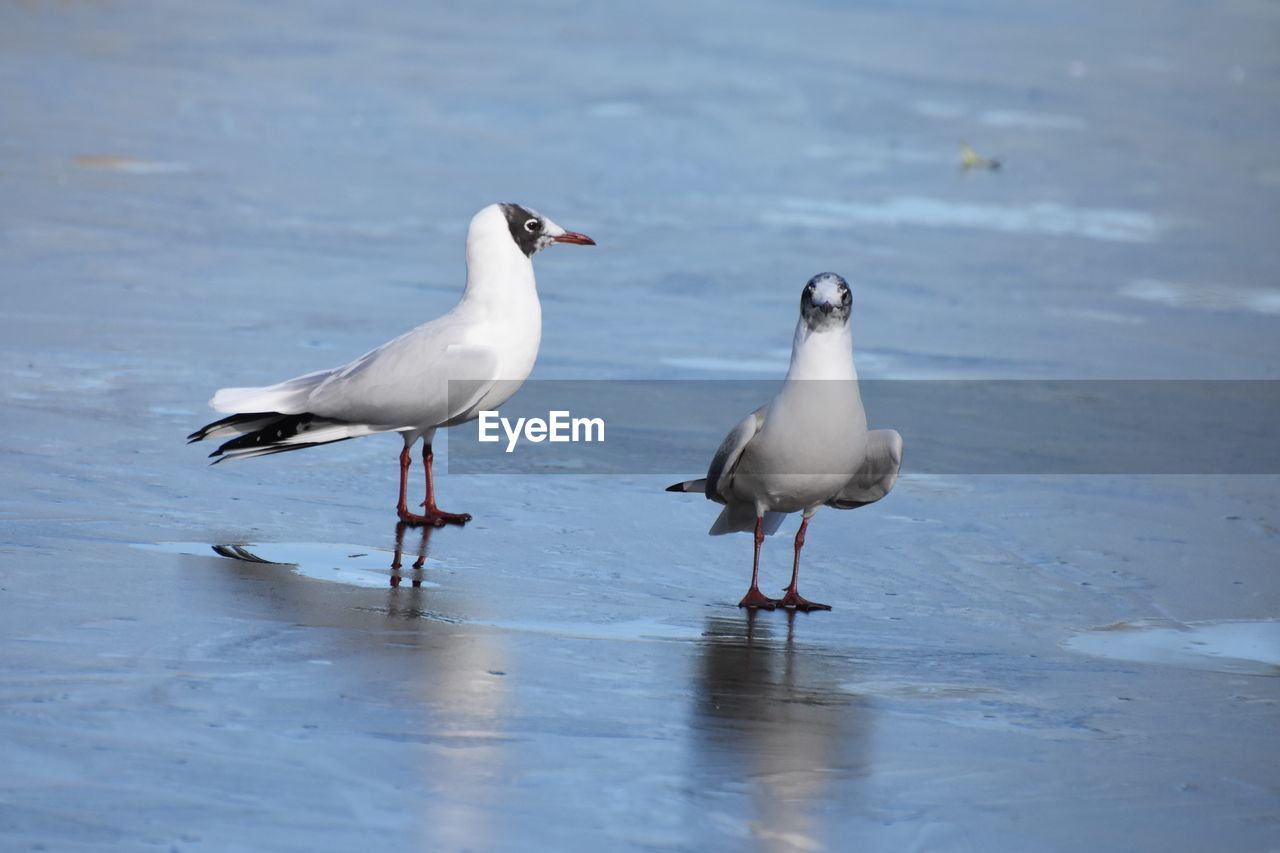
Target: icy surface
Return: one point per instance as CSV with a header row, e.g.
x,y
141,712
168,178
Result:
x,y
203,194
1250,647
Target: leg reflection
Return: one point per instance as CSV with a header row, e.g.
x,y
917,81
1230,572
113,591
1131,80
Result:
x,y
397,561
772,713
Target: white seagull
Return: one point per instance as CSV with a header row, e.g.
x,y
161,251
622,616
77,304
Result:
x,y
808,447
439,374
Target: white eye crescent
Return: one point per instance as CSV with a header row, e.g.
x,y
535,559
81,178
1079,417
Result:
x,y
531,225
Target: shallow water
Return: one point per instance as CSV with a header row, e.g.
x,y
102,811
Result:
x,y
1252,648
347,564
199,195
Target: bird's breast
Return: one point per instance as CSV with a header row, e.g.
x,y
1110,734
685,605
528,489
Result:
x,y
515,339
805,452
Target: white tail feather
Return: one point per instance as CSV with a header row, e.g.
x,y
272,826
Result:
x,y
741,518
288,398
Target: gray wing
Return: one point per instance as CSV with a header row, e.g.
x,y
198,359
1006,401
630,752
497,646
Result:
x,y
430,375
402,386
720,474
878,473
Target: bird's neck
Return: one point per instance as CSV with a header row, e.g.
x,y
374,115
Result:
x,y
822,354
499,276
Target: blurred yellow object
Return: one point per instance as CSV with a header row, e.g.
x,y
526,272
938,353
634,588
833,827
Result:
x,y
970,159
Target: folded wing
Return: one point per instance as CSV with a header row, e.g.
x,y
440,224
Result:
x,y
878,473
725,463
420,380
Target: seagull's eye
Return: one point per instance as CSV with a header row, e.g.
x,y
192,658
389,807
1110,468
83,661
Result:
x,y
531,225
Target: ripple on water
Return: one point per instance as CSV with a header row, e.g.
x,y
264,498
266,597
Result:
x,y
1205,296
1042,218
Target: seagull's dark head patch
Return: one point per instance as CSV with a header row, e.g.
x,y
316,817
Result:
x,y
525,226
826,302
532,231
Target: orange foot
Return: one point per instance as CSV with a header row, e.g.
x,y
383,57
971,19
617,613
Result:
x,y
793,599
435,518
414,520
440,517
756,598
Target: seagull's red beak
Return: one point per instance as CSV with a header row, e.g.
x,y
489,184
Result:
x,y
574,237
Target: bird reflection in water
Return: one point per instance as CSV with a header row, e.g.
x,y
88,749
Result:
x,y
398,559
773,715
316,559
436,688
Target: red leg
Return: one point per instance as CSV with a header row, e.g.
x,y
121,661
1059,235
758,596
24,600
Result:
x,y
793,597
438,516
434,516
754,597
402,508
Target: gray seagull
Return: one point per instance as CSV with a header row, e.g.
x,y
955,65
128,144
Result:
x,y
808,447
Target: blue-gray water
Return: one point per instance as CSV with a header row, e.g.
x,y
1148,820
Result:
x,y
196,195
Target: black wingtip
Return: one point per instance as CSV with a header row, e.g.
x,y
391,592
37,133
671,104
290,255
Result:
x,y
676,487
238,418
